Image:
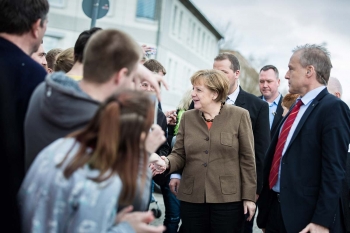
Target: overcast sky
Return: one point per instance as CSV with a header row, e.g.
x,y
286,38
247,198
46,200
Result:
x,y
272,28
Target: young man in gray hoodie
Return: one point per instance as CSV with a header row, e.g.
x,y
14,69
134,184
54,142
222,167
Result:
x,y
60,105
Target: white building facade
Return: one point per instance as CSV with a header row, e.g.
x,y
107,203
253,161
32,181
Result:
x,y
184,39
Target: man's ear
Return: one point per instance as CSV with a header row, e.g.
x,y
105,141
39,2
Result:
x,y
35,28
310,70
49,70
238,72
120,75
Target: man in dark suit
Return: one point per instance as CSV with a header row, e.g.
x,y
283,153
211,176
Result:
x,y
268,84
22,27
334,87
305,163
257,108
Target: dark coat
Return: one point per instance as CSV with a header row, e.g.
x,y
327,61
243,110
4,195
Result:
x,y
346,196
19,75
312,167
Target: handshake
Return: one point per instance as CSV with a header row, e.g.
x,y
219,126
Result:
x,y
158,164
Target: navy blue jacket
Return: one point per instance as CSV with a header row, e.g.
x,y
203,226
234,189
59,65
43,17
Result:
x,y
312,168
20,74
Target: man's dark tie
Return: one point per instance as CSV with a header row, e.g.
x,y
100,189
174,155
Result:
x,y
281,142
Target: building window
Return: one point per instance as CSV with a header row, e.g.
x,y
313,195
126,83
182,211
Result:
x,y
193,34
203,42
198,39
50,42
180,24
146,9
57,3
174,19
189,31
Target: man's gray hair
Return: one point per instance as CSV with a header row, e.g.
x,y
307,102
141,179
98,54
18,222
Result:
x,y
318,57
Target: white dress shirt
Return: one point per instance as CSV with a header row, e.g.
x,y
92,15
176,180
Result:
x,y
231,99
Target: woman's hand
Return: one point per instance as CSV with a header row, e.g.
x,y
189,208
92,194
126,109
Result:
x,y
250,207
157,164
154,139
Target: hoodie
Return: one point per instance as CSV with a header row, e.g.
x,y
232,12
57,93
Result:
x,y
57,108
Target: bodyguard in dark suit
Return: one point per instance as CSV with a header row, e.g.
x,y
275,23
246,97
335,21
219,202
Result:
x,y
257,108
334,87
305,163
268,84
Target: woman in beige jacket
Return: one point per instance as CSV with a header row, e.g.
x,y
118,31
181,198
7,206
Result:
x,y
215,149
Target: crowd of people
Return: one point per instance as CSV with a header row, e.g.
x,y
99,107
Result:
x,y
85,139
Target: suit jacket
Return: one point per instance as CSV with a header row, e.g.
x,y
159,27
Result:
x,y
277,118
19,75
312,168
218,164
259,116
346,196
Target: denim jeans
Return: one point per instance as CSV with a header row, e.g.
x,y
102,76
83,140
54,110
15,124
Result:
x,y
172,208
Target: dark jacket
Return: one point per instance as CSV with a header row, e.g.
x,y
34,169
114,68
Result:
x,y
19,75
259,116
346,195
164,149
312,167
277,117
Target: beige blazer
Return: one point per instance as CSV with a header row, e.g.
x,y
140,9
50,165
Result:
x,y
218,164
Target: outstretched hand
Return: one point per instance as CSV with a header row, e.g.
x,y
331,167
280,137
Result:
x,y
157,164
154,139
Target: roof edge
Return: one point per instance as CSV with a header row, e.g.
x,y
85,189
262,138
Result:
x,y
189,5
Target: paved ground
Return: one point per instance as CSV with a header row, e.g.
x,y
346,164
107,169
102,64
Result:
x,y
159,221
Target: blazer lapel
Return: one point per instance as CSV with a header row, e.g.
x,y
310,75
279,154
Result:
x,y
240,101
278,114
307,113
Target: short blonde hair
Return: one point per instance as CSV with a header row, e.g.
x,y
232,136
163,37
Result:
x,y
214,80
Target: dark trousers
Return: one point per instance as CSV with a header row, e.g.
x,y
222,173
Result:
x,y
172,208
275,222
211,217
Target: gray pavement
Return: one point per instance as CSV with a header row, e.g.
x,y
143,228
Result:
x,y
159,221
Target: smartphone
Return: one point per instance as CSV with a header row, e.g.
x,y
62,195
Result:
x,y
154,99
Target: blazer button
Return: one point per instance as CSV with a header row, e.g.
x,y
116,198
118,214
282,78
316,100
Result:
x,y
205,164
207,138
206,151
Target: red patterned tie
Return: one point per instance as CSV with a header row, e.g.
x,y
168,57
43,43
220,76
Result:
x,y
280,144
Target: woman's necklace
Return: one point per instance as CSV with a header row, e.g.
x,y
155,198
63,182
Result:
x,y
211,120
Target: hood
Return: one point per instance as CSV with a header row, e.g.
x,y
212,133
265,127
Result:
x,y
64,104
